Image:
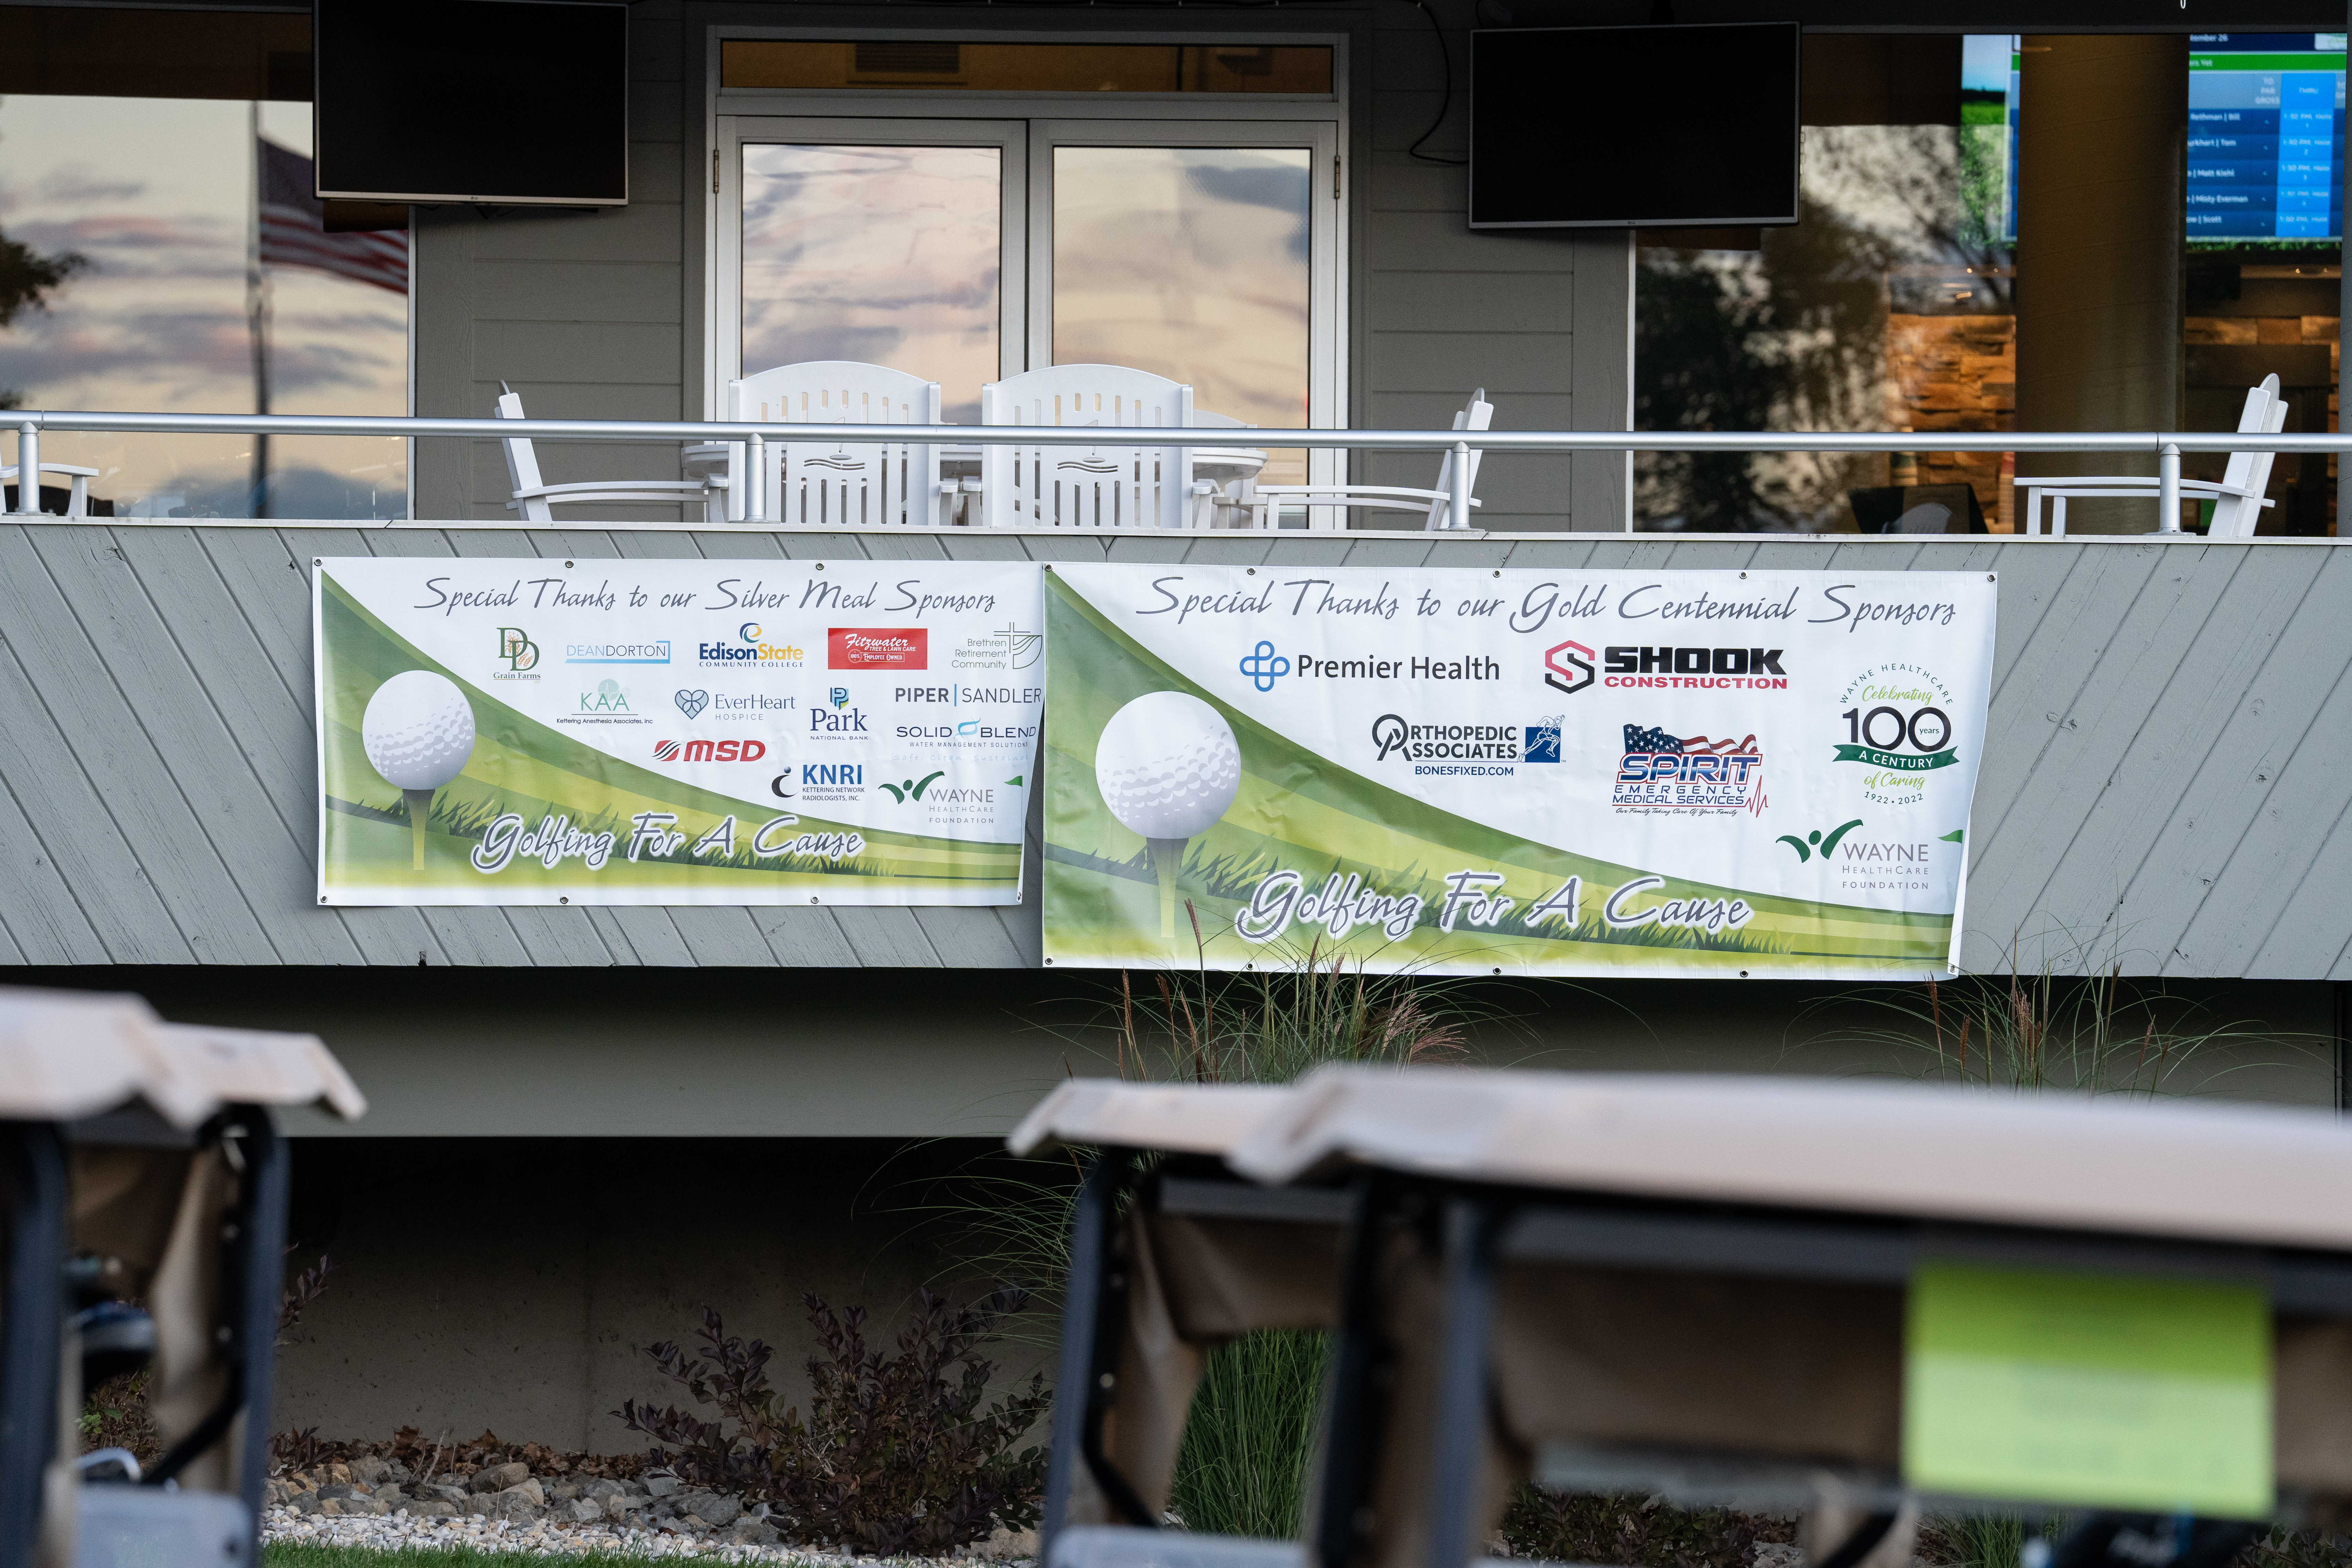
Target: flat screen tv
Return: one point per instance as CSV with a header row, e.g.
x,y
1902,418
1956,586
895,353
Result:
x,y
1622,127
503,101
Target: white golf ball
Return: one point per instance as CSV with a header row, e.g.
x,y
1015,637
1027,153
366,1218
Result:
x,y
418,730
1168,765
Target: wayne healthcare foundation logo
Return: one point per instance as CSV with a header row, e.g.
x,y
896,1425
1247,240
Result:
x,y
1263,666
1898,727
1568,667
906,790
1660,770
520,653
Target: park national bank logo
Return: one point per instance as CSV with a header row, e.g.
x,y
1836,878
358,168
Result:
x,y
517,653
1662,772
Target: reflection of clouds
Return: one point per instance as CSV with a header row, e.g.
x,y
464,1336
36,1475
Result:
x,y
1190,262
888,255
155,192
79,183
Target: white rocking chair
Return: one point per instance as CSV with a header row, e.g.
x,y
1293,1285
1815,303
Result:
x,y
533,495
1435,505
820,482
1106,486
2237,499
77,495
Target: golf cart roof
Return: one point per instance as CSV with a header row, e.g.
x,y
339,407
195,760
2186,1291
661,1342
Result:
x,y
2169,1168
66,1056
1178,1118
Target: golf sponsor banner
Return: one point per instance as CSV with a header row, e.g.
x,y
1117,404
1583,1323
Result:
x,y
1737,774
542,732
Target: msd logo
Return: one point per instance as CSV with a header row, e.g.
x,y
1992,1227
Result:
x,y
709,751
877,647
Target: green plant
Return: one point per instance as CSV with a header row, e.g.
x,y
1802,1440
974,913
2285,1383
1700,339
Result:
x,y
1587,1527
1981,1539
1250,1436
897,1455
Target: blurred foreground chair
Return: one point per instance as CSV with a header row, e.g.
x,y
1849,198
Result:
x,y
1684,1286
140,1161
1436,506
77,496
2237,498
533,497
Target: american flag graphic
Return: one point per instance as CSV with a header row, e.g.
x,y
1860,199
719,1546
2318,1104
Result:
x,y
1657,742
294,229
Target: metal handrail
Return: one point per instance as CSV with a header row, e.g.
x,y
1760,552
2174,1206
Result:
x,y
2166,446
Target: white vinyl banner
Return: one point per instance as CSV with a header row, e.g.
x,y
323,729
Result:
x,y
1469,771
675,732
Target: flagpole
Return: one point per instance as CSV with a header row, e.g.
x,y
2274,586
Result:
x,y
257,316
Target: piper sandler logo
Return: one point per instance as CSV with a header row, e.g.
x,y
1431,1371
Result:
x,y
877,647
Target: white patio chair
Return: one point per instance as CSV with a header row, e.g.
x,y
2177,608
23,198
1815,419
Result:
x,y
821,481
77,496
1107,486
2237,498
1434,505
533,495
1231,480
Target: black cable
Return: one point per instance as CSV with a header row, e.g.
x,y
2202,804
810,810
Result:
x,y
1445,104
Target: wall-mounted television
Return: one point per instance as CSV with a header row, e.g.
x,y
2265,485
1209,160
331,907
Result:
x,y
1624,127
498,101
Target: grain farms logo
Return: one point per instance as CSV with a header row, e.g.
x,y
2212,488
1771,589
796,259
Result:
x,y
1898,729
1688,772
520,653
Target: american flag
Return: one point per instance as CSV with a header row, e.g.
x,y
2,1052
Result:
x,y
294,229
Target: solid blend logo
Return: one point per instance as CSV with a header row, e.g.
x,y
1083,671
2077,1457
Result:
x,y
877,647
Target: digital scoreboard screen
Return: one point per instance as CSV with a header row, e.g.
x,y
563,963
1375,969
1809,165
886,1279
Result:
x,y
2265,135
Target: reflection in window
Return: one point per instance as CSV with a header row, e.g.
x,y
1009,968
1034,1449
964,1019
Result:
x,y
1190,262
888,255
157,194
1886,305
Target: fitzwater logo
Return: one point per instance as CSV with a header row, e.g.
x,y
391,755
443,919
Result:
x,y
1264,666
519,652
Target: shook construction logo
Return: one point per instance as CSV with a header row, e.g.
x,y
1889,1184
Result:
x,y
1568,667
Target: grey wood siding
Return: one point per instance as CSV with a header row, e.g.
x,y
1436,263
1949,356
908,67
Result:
x,y
2166,784
599,314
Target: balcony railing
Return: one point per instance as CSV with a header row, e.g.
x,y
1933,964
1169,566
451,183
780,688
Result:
x,y
2166,446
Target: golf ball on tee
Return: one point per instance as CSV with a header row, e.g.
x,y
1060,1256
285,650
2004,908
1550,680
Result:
x,y
418,730
1168,765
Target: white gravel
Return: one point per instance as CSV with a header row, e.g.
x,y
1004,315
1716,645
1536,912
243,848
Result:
x,y
548,1538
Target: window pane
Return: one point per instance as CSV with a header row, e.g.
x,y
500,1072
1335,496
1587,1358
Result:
x,y
888,255
1190,262
156,195
901,63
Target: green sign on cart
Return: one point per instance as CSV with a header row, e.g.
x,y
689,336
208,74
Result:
x,y
2099,1390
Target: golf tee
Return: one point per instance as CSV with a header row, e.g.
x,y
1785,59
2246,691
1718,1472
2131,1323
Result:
x,y
420,809
1167,859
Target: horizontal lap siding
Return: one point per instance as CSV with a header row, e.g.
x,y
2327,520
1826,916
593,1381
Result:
x,y
1538,321
2166,782
582,313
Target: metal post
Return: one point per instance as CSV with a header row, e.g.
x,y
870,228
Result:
x,y
29,1329
2168,489
755,481
28,469
1457,510
1096,1216
1457,1436
258,1262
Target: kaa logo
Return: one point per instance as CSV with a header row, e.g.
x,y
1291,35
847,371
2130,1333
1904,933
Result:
x,y
691,702
1263,666
518,650
840,695
911,789
1827,844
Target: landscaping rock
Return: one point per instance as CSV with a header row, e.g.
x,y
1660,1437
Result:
x,y
303,1502
335,1491
714,1509
444,1493
1003,1545
750,1531
662,1486
618,1506
518,1504
580,1510
601,1489
369,1468
432,1507
498,1478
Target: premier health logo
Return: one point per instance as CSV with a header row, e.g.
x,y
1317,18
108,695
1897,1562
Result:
x,y
1264,666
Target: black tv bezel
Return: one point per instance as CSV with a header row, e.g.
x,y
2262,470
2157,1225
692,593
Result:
x,y
1796,133
432,199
